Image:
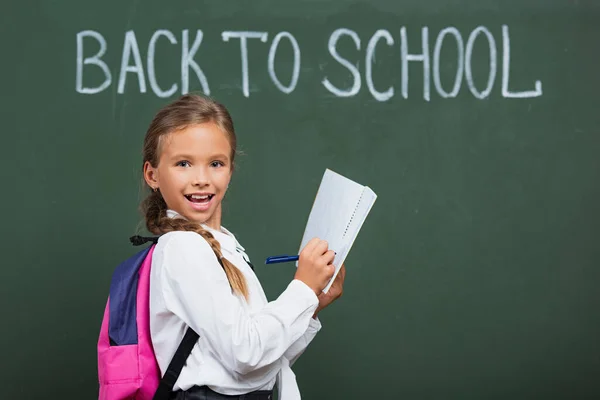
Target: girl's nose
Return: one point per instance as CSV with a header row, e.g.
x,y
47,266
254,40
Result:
x,y
200,177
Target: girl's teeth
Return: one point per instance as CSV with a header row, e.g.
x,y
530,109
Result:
x,y
195,198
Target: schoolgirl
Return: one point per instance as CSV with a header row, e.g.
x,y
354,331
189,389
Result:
x,y
201,276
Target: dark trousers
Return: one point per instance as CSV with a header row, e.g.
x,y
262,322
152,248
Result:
x,y
204,393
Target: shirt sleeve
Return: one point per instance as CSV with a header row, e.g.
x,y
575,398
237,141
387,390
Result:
x,y
298,347
196,289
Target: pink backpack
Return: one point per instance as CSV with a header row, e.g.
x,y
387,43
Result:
x,y
127,367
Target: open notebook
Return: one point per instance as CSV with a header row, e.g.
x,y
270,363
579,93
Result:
x,y
340,208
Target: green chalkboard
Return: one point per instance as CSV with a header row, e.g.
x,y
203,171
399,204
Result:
x,y
476,122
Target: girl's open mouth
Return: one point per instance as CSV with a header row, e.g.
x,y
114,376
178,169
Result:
x,y
199,199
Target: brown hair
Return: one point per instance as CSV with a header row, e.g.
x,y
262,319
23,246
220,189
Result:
x,y
190,109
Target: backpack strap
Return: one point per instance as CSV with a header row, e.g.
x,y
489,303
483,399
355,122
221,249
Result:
x,y
165,387
138,240
184,350
176,365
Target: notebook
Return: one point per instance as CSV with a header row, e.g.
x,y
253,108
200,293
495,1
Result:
x,y
337,215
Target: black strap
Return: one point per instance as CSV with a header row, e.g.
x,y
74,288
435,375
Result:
x,y
138,240
176,365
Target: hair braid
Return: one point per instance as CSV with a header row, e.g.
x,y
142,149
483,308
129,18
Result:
x,y
159,223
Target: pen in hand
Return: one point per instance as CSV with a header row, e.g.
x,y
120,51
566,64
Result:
x,y
280,259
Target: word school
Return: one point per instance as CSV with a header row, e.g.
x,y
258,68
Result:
x,y
132,65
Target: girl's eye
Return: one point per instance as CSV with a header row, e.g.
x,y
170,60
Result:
x,y
183,163
216,164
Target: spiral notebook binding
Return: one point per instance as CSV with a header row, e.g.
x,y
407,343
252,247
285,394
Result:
x,y
353,214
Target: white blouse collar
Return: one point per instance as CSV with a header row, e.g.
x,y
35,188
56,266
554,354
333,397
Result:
x,y
226,238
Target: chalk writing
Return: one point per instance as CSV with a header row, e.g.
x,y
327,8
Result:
x,y
93,60
369,60
437,82
333,39
150,62
271,67
419,56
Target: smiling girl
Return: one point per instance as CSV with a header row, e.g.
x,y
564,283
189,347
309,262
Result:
x,y
201,276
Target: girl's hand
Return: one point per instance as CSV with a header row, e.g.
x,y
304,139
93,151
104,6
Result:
x,y
314,265
335,291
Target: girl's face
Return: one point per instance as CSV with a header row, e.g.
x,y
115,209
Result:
x,y
193,172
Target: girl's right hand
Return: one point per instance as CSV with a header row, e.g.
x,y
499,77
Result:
x,y
315,266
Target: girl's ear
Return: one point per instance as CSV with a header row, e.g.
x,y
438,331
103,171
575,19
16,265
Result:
x,y
151,176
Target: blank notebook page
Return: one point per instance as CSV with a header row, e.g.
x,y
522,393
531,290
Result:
x,y
340,208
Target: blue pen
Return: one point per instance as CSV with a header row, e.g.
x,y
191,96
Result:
x,y
280,259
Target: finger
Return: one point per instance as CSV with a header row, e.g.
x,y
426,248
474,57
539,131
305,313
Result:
x,y
320,248
310,246
339,279
328,257
342,272
330,271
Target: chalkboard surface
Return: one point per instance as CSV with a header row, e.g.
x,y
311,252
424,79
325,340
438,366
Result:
x,y
475,121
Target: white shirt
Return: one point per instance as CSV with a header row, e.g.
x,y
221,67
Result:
x,y
243,346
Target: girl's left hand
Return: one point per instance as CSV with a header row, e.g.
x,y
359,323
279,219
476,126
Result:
x,y
335,291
